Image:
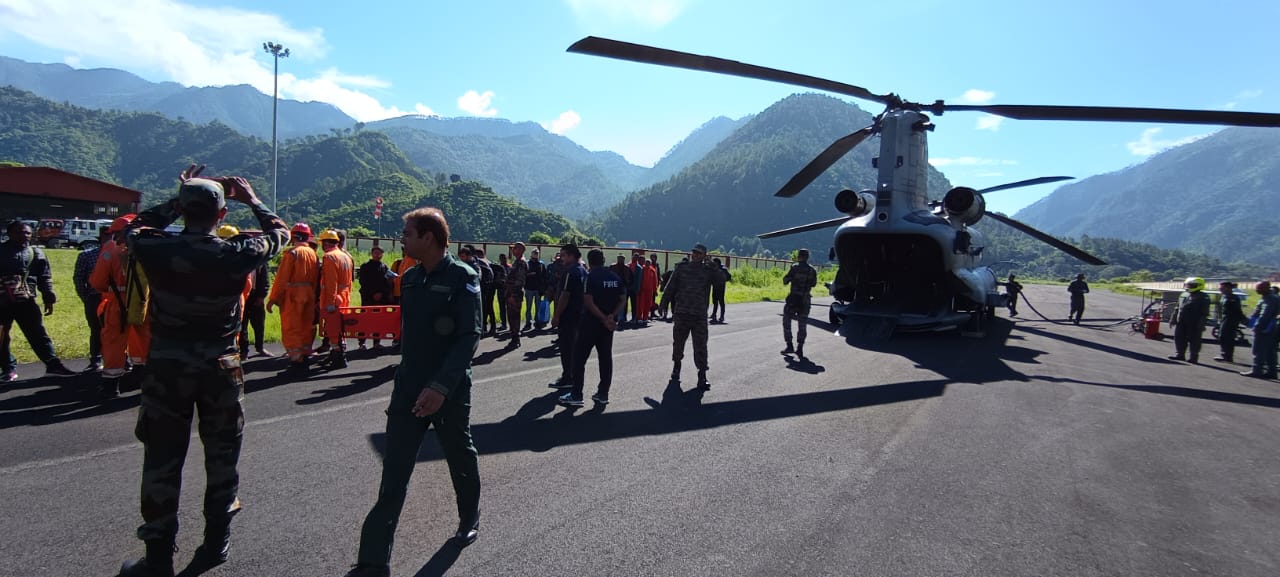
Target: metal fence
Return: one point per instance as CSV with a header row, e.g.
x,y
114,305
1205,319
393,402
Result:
x,y
666,258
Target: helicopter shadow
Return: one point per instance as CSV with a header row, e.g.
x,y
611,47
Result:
x,y
958,359
677,411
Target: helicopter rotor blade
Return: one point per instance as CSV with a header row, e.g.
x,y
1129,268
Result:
x,y
806,227
1049,240
823,161
1114,114
596,46
1028,182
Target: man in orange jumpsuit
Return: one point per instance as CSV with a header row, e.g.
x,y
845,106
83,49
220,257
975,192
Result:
x,y
226,232
336,272
648,290
121,339
295,293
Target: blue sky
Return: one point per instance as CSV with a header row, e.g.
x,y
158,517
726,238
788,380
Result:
x,y
507,58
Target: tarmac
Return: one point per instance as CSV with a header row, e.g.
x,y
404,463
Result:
x,y
1044,448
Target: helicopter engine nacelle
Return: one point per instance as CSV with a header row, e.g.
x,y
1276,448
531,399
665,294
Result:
x,y
964,204
855,204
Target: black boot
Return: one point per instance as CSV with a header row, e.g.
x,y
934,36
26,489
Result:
x,y
157,563
675,371
217,539
109,388
703,384
800,350
337,359
468,530
790,349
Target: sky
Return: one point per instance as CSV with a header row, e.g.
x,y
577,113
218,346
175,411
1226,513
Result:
x,y
507,59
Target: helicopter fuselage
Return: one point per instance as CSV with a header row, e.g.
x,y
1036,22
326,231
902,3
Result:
x,y
903,259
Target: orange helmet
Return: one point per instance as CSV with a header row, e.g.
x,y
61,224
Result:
x,y
119,224
301,228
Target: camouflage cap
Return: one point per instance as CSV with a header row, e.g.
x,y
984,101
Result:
x,y
201,192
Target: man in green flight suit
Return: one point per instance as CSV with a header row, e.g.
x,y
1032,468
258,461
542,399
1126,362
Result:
x,y
441,319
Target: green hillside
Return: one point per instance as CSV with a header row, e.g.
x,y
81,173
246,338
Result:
x,y
328,181
1217,196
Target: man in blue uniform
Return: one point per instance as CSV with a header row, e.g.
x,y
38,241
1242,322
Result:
x,y
197,281
605,299
1265,330
1232,315
441,315
569,291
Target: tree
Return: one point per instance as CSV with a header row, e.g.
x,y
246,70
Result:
x,y
360,231
539,237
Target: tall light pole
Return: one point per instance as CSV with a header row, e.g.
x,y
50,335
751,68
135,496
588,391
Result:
x,y
278,51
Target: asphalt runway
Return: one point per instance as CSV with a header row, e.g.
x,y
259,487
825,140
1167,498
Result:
x,y
1042,449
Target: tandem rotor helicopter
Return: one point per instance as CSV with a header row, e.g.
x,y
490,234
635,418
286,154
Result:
x,y
908,263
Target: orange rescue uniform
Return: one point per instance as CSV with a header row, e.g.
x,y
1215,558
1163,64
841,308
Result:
x,y
401,267
336,275
294,291
120,339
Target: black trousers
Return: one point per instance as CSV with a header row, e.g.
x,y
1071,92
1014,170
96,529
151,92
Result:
x,y
29,318
566,340
490,319
95,327
1187,337
1227,339
255,315
593,335
717,304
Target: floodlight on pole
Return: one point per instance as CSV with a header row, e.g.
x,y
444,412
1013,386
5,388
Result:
x,y
277,51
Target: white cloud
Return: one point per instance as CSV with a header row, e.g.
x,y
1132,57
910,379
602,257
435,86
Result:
x,y
72,61
939,162
477,104
424,110
650,13
989,122
568,120
192,45
1148,144
1242,95
976,96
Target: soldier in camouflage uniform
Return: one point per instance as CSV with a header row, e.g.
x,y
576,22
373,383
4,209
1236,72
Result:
x,y
690,288
802,277
197,281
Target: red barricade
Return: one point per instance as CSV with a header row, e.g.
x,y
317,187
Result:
x,y
371,322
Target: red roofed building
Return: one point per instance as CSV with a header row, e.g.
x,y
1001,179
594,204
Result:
x,y
38,192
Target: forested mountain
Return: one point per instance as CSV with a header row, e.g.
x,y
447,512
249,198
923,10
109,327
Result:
x,y
726,198
694,147
1219,195
329,181
240,107
539,168
519,160
1009,250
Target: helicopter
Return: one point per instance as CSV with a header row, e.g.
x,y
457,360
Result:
x,y
908,263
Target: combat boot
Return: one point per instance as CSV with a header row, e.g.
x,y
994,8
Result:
x,y
675,371
800,350
789,349
217,540
337,359
468,530
157,563
703,384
